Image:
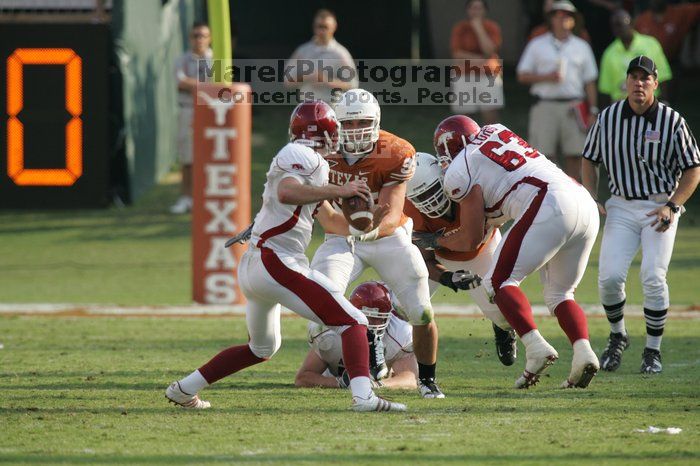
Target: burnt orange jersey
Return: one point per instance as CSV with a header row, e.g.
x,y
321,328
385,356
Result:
x,y
424,223
391,161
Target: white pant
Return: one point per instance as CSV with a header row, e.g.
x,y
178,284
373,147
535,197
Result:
x,y
268,279
626,227
481,265
397,261
555,237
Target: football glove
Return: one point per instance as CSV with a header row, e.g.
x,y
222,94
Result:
x,y
460,280
242,237
427,240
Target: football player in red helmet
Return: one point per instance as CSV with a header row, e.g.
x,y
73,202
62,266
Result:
x,y
388,334
315,124
275,272
452,135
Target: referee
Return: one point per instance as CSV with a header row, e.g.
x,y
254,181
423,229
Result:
x,y
653,167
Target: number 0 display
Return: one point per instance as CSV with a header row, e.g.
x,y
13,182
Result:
x,y
16,169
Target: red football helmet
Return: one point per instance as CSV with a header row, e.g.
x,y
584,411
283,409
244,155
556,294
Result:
x,y
314,124
374,300
452,135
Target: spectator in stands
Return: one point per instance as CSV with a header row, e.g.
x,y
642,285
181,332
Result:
x,y
670,25
189,68
562,71
579,28
629,44
323,46
478,38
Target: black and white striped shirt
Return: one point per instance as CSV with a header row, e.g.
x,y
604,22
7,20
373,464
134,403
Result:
x,y
643,154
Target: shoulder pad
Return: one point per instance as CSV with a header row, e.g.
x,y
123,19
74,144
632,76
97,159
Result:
x,y
299,159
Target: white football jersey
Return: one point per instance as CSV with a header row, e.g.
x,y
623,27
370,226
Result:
x,y
509,171
398,344
287,228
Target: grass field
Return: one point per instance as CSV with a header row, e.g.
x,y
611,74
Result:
x,y
90,391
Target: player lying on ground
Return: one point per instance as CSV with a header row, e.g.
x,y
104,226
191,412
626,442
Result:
x,y
392,362
499,175
438,233
385,162
274,270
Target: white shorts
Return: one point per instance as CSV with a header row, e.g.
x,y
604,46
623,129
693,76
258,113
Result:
x,y
481,265
554,235
395,258
268,279
185,120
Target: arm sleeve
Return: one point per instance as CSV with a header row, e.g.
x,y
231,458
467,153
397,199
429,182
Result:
x,y
494,32
404,166
527,62
298,162
591,149
180,68
457,185
590,70
685,147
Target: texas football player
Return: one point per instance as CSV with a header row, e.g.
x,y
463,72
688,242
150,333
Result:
x,y
386,332
438,233
385,162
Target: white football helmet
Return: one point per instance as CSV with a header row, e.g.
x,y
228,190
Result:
x,y
425,190
358,104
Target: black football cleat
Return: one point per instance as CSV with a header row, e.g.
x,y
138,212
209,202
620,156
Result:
x,y
506,345
611,358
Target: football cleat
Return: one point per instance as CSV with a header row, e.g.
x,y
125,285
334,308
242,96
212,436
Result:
x,y
611,358
651,361
375,403
429,389
584,366
539,356
506,345
175,395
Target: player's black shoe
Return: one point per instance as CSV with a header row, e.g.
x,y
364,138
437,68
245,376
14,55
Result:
x,y
506,345
612,354
651,361
429,389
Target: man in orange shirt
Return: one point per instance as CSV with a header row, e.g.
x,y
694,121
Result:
x,y
670,25
478,38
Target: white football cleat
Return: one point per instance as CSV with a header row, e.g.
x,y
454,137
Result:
x,y
375,403
175,394
584,365
539,356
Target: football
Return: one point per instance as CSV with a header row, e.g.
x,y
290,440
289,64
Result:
x,y
357,212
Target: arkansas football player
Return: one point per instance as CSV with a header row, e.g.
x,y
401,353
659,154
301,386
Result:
x,y
387,333
555,225
438,233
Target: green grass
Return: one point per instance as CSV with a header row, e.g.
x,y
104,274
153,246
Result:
x,y
141,256
90,391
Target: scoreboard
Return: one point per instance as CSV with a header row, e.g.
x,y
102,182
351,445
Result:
x,y
54,126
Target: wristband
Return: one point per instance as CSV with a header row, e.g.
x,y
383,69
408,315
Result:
x,y
362,236
675,208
